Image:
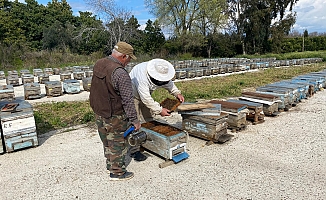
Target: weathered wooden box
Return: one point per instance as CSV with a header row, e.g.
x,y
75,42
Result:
x,y
181,74
206,71
270,102
53,88
303,88
229,68
48,71
236,114
56,71
237,121
71,86
222,69
190,73
76,68
24,72
27,78
215,70
298,91
18,126
78,75
320,80
206,127
12,80
42,78
256,114
12,72
284,94
7,93
199,72
65,76
163,139
88,73
85,68
310,81
32,91
67,69
87,81
37,72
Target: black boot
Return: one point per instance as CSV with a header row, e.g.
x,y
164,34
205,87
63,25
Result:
x,y
138,156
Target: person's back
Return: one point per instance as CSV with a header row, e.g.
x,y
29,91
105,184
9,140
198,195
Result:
x,y
139,78
102,93
111,99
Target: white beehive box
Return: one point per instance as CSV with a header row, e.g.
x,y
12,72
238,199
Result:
x,y
18,126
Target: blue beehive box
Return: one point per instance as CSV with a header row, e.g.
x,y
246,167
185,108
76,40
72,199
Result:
x,y
18,127
71,86
285,95
165,140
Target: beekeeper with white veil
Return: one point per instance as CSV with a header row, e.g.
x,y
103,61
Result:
x,y
147,77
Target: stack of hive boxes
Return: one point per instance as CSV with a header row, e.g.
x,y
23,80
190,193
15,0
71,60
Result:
x,y
18,127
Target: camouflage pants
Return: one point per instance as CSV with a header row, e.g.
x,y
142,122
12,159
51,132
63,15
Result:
x,y
144,115
115,147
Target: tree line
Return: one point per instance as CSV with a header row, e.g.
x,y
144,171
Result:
x,y
183,28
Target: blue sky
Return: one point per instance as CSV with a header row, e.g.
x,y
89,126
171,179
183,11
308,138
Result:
x,y
310,13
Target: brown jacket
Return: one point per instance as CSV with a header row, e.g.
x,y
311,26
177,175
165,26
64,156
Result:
x,y
104,100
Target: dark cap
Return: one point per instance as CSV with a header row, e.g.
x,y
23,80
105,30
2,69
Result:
x,y
126,49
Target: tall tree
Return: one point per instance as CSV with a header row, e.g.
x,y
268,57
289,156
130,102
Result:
x,y
58,11
254,20
188,16
115,19
89,34
57,36
11,26
153,38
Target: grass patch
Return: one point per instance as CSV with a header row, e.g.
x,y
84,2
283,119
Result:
x,y
52,116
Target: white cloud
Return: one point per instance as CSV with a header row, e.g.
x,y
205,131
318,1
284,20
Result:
x,y
311,16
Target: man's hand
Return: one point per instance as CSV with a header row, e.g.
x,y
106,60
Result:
x,y
137,126
165,112
181,98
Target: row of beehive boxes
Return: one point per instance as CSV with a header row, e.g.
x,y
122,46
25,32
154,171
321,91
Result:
x,y
253,63
18,128
252,107
52,89
214,68
268,100
14,79
48,71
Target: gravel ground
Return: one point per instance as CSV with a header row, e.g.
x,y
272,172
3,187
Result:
x,y
282,158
